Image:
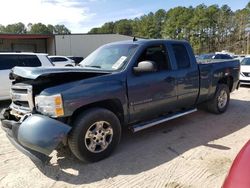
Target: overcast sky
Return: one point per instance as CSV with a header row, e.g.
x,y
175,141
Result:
x,y
80,16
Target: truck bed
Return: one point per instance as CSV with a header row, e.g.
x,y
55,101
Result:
x,y
212,71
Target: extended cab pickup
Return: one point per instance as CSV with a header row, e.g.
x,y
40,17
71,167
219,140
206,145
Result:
x,y
132,84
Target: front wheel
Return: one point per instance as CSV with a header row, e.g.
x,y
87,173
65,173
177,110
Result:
x,y
219,103
96,133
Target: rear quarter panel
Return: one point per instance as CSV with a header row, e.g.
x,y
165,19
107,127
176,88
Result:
x,y
212,72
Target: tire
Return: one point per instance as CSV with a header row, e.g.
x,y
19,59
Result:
x,y
96,132
219,103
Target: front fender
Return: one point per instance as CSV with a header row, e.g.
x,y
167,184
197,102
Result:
x,y
41,133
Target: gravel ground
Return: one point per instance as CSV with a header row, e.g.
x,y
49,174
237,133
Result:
x,y
192,151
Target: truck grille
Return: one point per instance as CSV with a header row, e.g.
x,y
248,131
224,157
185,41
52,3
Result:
x,y
22,100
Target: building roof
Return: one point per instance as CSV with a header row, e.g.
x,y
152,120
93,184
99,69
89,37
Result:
x,y
25,36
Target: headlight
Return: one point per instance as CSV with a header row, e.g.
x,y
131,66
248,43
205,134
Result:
x,y
50,105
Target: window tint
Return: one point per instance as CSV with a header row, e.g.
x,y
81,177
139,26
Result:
x,y
225,56
217,56
181,56
156,54
29,61
8,62
58,59
245,61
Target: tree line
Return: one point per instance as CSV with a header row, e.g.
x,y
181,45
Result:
x,y
207,28
37,28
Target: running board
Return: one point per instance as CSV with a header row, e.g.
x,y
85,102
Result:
x,y
154,122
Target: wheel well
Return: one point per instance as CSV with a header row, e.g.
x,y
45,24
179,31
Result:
x,y
228,81
114,105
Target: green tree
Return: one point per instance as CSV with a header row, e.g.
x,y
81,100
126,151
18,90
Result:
x,y
51,28
177,23
123,27
39,28
94,30
59,29
107,28
2,28
159,19
17,28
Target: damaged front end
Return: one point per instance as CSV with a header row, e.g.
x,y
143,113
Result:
x,y
31,122
34,135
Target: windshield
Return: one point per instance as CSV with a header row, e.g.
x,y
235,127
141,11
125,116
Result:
x,y
110,57
245,61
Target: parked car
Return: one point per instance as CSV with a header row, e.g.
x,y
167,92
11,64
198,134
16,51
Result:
x,y
214,56
76,59
62,61
10,60
245,71
239,57
132,84
239,172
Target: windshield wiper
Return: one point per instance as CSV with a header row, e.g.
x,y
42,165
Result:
x,y
94,66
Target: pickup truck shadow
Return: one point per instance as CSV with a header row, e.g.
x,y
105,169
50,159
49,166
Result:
x,y
152,147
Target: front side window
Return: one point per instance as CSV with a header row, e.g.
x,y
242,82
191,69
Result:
x,y
181,56
156,54
109,57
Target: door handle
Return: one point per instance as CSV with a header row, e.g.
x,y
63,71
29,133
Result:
x,y
169,79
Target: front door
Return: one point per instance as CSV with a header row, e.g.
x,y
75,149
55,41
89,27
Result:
x,y
152,94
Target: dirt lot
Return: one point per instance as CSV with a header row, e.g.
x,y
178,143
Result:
x,y
192,151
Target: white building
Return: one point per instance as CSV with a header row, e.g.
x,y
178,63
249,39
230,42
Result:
x,y
67,45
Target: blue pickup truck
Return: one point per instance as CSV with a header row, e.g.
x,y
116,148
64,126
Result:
x,y
129,84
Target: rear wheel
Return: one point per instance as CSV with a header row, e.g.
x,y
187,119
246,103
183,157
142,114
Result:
x,y
218,104
95,135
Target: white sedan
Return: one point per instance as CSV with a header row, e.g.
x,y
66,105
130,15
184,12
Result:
x,y
62,61
245,71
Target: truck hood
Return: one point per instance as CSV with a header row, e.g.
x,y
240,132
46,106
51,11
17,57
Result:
x,y
35,72
245,68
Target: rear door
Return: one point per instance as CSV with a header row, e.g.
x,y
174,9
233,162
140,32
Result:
x,y
187,74
152,94
7,62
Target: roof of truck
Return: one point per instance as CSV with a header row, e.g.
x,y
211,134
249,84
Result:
x,y
144,41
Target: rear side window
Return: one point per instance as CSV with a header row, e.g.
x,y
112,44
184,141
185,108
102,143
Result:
x,y
225,56
58,59
181,56
8,62
29,61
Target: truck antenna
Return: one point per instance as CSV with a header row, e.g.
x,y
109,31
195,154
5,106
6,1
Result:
x,y
135,39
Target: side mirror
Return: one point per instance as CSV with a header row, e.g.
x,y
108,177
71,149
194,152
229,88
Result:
x,y
145,66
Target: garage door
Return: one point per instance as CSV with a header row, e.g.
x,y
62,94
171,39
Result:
x,y
24,47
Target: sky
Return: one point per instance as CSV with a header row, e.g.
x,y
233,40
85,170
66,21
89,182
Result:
x,y
81,15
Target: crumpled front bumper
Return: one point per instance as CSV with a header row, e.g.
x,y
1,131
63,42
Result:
x,y
36,136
